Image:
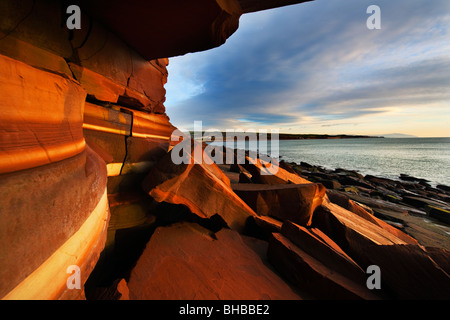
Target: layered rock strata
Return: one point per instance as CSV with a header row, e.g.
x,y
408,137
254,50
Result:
x,y
88,185
57,150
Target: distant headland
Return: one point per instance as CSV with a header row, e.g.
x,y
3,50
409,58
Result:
x,y
284,136
288,136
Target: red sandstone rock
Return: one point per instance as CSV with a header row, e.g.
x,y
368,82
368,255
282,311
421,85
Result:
x,y
104,53
351,232
41,119
263,226
441,256
263,173
171,29
39,215
40,25
134,139
346,203
148,78
122,288
97,85
33,55
203,188
294,202
186,261
409,271
311,275
318,245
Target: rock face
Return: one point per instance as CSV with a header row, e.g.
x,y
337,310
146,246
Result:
x,y
54,145
346,203
43,152
27,139
350,231
185,261
261,174
294,202
416,273
203,188
210,23
310,274
317,244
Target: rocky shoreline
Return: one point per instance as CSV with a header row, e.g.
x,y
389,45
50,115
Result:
x,y
410,204
232,232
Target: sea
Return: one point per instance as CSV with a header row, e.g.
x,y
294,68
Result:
x,y
425,158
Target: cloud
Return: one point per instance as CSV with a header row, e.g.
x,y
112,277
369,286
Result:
x,y
314,62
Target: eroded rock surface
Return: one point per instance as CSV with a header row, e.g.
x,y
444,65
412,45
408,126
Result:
x,y
185,261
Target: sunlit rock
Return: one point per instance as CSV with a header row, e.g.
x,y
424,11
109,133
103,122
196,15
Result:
x,y
186,261
294,202
202,187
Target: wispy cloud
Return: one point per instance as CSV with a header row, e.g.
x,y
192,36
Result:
x,y
317,62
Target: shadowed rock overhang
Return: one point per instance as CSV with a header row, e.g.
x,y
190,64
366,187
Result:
x,y
160,29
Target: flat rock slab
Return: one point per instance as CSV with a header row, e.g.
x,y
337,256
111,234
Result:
x,y
186,261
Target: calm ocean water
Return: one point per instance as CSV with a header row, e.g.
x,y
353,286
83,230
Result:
x,y
427,158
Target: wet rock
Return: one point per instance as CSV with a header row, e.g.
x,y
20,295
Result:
x,y
331,184
443,187
378,203
349,173
185,261
422,203
306,165
286,166
439,213
354,181
384,182
406,177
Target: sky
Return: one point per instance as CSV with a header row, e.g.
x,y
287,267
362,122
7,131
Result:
x,y
316,67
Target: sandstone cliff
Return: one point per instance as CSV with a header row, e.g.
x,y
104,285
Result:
x,y
87,182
